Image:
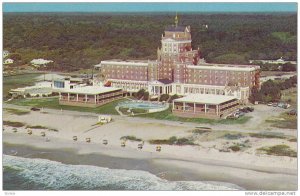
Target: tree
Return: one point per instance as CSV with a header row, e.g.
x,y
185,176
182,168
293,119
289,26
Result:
x,y
15,56
289,67
164,97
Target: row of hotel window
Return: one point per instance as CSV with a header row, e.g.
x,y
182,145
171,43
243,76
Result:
x,y
130,87
121,76
193,90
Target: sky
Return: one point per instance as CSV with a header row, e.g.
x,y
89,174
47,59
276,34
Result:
x,y
150,7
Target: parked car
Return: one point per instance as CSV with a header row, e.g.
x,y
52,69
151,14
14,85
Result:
x,y
239,114
230,117
35,109
270,104
247,109
275,104
251,109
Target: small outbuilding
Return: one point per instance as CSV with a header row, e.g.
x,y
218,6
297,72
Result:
x,y
205,106
89,96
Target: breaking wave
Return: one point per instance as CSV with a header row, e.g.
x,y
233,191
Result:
x,y
41,174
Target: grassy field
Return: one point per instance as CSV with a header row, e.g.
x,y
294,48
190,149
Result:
x,y
53,104
168,115
284,121
17,81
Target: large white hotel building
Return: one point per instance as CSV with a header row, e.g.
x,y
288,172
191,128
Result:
x,y
178,69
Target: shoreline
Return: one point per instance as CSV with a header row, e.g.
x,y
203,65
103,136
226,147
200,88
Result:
x,y
174,169
204,161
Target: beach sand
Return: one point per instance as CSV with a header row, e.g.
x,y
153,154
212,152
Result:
x,y
203,162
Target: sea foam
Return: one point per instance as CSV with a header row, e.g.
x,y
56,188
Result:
x,y
44,174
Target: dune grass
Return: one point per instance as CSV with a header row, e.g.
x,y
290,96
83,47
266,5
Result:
x,y
279,150
13,123
131,138
173,141
40,127
16,111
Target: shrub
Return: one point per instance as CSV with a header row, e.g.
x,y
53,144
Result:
x,y
265,135
130,137
13,124
279,150
164,97
293,140
233,136
235,148
173,97
200,131
173,141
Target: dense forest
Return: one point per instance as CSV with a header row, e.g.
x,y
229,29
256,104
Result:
x,y
75,40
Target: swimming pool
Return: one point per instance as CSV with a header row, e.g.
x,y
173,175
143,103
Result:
x,y
146,105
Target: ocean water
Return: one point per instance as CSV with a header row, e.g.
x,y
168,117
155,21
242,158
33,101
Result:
x,y
41,174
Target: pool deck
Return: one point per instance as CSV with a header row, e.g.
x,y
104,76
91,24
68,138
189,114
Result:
x,y
156,106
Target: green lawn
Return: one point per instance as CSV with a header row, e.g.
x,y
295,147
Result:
x,y
168,115
10,82
284,121
110,109
53,104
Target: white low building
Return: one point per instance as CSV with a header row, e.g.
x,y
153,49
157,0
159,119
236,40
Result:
x,y
8,61
40,62
278,61
38,90
5,53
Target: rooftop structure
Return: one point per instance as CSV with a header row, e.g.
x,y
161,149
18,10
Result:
x,y
204,98
40,61
89,96
207,106
91,90
277,61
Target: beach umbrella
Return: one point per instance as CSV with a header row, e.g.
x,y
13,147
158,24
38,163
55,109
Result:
x,y
15,130
88,139
123,144
43,134
75,138
140,146
158,148
105,142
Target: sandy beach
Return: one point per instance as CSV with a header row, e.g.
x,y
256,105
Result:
x,y
203,162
